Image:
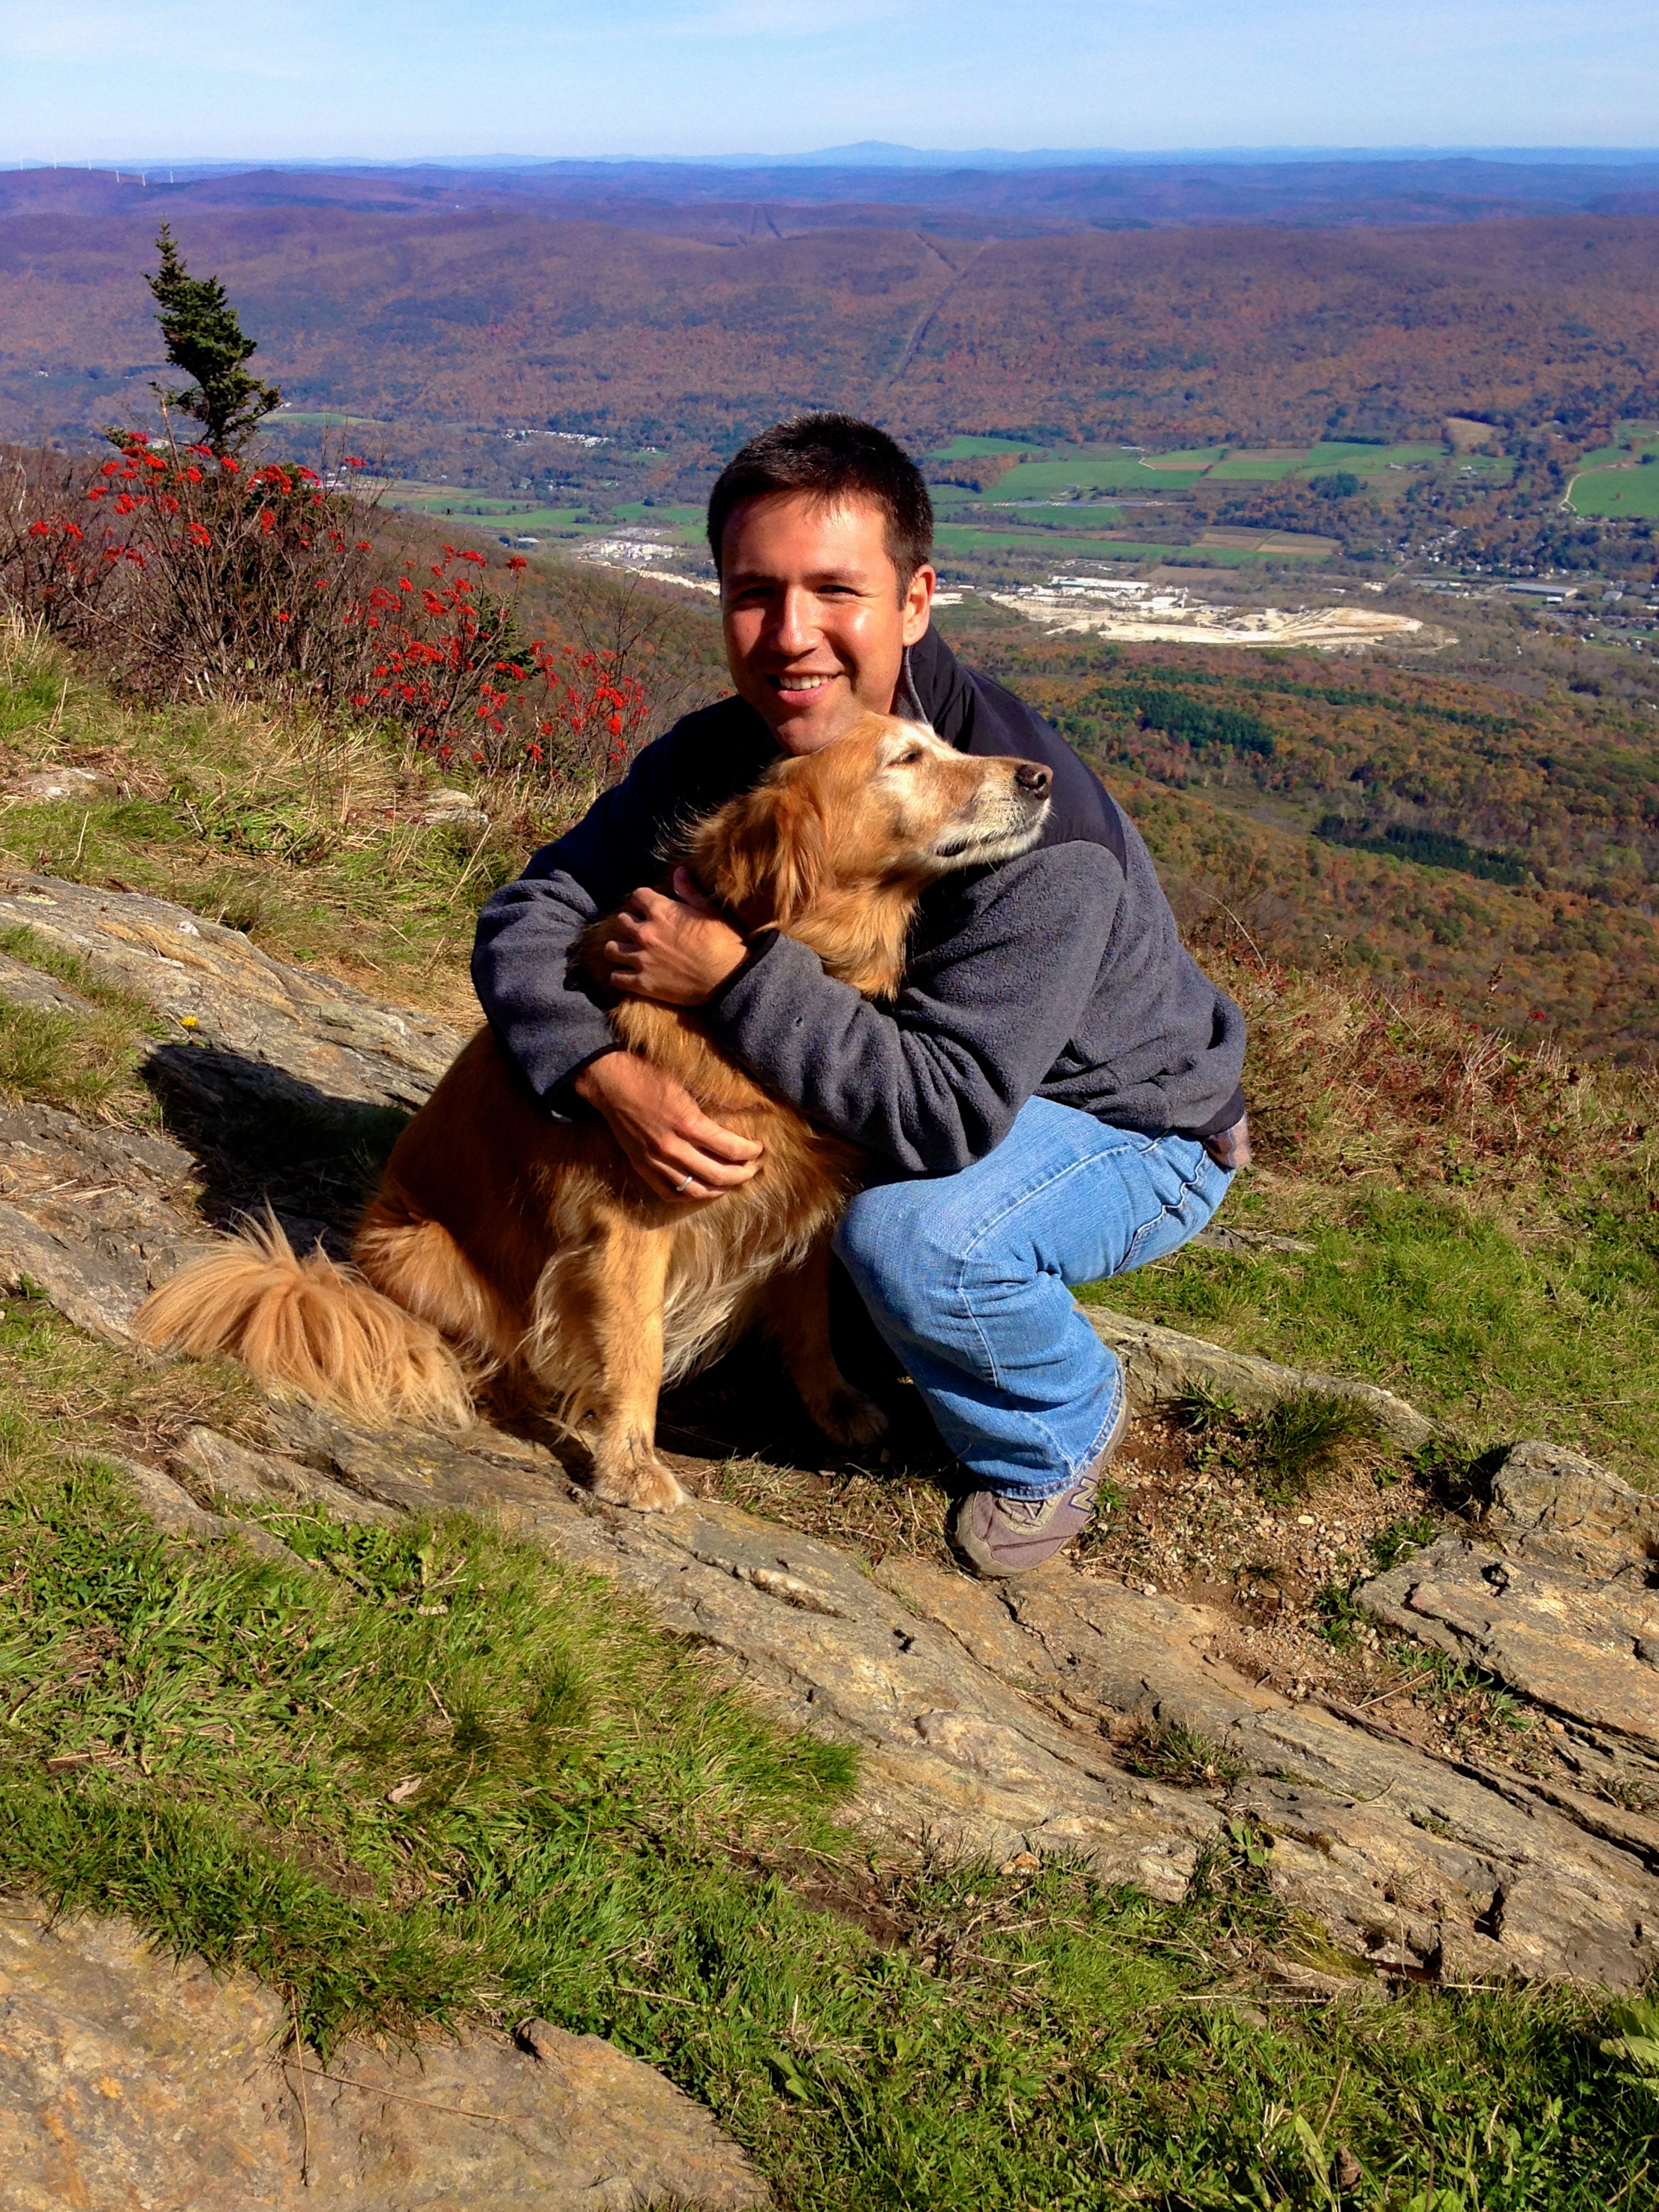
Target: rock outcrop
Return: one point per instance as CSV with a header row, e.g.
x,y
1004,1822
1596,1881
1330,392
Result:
x,y
1163,1364
1558,1597
988,1720
220,991
129,2078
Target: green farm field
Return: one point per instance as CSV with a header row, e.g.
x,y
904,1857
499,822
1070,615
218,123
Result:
x,y
1256,468
1064,473
1630,442
1370,460
686,522
1629,490
327,419
974,449
949,505
1195,459
964,540
1077,469
435,502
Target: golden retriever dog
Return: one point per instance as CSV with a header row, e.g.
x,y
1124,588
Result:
x,y
502,1247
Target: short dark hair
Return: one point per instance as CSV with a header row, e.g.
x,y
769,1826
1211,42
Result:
x,y
833,457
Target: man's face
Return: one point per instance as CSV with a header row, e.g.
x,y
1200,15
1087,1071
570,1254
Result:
x,y
816,621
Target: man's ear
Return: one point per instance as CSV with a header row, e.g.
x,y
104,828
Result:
x,y
917,604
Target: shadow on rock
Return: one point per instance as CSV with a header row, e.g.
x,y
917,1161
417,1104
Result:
x,y
262,1137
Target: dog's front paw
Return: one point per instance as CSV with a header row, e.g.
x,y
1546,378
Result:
x,y
847,1417
634,1476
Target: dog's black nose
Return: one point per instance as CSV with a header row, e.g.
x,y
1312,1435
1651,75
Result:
x,y
1032,776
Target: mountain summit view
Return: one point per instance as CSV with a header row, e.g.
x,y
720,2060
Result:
x,y
385,1810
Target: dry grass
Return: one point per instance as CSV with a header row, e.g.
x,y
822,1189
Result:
x,y
320,839
75,1387
1349,1084
872,1514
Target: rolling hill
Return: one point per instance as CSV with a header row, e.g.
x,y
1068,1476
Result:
x,y
519,317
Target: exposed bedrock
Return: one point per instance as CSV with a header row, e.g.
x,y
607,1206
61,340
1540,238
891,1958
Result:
x,y
988,1721
129,2078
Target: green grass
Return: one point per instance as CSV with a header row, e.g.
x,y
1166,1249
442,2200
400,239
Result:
x,y
1629,445
969,449
1052,473
602,1835
688,521
1368,461
1080,468
1621,491
470,506
1194,458
1254,468
1284,1450
85,1062
1428,1296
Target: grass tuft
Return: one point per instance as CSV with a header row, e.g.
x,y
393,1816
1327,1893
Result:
x,y
1302,1437
1284,1451
86,1063
1183,1756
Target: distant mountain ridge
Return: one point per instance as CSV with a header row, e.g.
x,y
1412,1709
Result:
x,y
984,194
883,152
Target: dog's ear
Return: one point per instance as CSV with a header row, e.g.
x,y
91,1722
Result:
x,y
766,854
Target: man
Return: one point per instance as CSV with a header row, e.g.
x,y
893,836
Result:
x,y
1054,1097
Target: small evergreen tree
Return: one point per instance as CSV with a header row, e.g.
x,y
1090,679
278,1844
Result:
x,y
205,340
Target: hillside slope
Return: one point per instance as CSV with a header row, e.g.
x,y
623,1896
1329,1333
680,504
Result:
x,y
513,319
1485,830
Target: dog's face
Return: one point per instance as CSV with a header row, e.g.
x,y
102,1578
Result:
x,y
902,802
887,805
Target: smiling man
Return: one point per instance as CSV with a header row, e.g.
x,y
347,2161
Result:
x,y
1053,1098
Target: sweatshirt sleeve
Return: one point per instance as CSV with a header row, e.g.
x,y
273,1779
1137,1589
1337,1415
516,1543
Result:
x,y
933,1080
543,1009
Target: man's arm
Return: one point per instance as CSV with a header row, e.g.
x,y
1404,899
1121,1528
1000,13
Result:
x,y
933,1082
541,1006
522,972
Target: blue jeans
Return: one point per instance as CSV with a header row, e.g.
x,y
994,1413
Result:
x,y
966,1276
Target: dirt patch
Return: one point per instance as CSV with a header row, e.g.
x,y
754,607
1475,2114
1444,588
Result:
x,y
1178,1518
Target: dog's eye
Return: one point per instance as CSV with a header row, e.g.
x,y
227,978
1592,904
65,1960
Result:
x,y
910,759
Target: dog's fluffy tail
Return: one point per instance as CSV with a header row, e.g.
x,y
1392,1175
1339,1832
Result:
x,y
318,1327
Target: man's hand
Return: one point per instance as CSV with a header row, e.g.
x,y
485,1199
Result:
x,y
670,1141
674,950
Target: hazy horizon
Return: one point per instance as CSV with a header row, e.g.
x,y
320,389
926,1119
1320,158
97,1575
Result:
x,y
294,81
874,154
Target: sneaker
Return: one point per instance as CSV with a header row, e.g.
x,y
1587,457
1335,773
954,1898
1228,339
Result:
x,y
1000,1536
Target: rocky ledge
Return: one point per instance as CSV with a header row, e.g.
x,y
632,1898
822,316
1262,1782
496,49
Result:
x,y
128,2078
989,1720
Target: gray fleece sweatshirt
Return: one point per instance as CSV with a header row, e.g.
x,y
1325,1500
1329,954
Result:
x,y
1059,974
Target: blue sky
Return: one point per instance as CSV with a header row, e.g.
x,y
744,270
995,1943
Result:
x,y
119,79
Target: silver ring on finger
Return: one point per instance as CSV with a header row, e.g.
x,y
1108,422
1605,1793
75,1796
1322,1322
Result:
x,y
684,1184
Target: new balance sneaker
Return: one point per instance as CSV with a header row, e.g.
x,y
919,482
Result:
x,y
1000,1536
